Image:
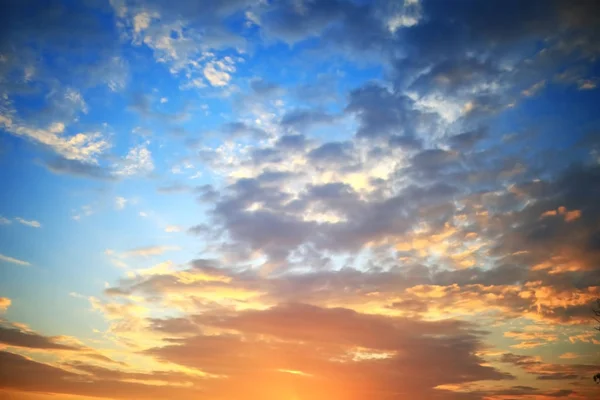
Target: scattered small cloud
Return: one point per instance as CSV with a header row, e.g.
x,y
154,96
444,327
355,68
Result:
x,y
32,223
173,228
120,202
587,84
218,73
138,161
84,211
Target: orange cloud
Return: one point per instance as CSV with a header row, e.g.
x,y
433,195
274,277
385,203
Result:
x,y
5,302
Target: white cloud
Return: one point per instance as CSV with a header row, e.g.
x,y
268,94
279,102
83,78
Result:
x,y
163,100
120,202
4,221
173,228
85,211
32,223
141,21
143,214
13,260
81,146
137,161
217,73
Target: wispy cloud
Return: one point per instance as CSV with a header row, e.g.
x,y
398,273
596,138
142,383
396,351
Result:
x,y
13,260
150,251
120,202
32,223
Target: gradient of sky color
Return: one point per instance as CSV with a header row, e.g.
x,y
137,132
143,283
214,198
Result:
x,y
299,200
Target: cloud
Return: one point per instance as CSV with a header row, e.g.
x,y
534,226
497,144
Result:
x,y
338,334
87,380
380,112
84,211
13,260
120,202
569,356
300,120
77,168
548,372
16,337
149,251
5,221
5,302
217,73
138,161
30,223
364,260
84,147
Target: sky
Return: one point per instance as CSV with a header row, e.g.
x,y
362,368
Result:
x,y
299,200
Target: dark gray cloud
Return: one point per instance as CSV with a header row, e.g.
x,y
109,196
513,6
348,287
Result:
x,y
31,376
241,129
335,153
292,142
381,112
262,87
300,120
16,337
80,169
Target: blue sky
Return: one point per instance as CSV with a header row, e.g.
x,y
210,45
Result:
x,y
185,176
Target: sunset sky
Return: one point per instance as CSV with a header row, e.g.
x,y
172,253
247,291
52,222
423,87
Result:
x,y
299,200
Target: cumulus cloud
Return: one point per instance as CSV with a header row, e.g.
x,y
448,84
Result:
x,y
5,302
138,161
